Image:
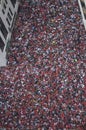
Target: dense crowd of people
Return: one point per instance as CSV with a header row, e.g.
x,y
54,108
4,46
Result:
x,y
43,85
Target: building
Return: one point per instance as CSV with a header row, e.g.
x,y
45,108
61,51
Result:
x,y
82,5
8,12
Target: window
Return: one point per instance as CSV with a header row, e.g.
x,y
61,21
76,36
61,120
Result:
x,y
13,2
6,2
1,44
8,21
3,29
10,18
10,11
13,20
4,6
82,3
3,11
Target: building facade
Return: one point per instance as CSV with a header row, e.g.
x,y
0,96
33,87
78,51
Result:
x,y
82,4
8,12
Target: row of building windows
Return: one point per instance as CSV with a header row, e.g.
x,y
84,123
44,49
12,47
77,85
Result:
x,y
4,6
10,11
6,2
83,7
82,3
8,18
8,21
13,2
3,29
9,14
1,44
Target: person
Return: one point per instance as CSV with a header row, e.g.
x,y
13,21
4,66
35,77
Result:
x,y
43,85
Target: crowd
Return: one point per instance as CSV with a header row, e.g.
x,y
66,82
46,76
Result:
x,y
43,86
